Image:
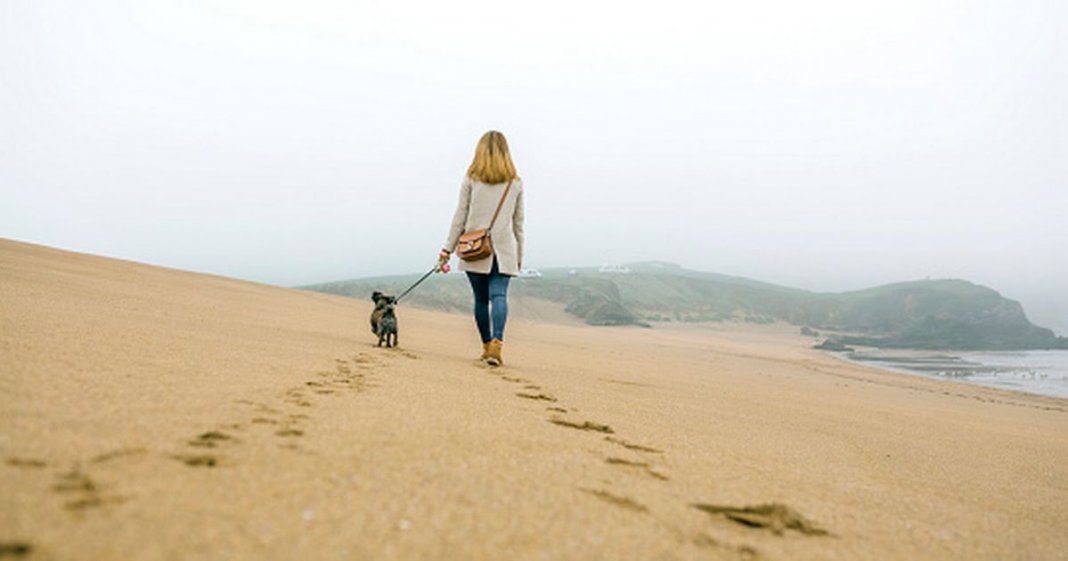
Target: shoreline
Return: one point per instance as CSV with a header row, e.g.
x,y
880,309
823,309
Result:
x,y
955,366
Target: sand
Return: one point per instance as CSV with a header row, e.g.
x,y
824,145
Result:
x,y
148,413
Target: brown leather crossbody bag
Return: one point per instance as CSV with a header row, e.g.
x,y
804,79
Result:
x,y
476,244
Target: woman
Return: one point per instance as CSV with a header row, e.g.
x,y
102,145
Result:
x,y
490,177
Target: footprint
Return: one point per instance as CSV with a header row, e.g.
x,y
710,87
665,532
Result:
x,y
108,456
300,401
25,463
626,383
585,425
624,462
197,460
84,491
74,481
557,409
643,466
264,421
541,396
739,552
210,439
15,550
347,381
288,431
515,380
363,358
87,502
630,446
622,502
774,517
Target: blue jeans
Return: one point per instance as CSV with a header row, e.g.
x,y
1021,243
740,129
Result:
x,y
491,302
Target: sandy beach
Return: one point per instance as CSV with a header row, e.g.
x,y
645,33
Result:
x,y
149,413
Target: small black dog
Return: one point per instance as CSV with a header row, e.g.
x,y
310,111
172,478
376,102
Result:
x,y
380,300
387,327
380,326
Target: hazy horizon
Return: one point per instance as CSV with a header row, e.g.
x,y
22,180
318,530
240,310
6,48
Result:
x,y
827,146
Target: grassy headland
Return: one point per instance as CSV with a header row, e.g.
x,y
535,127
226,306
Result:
x,y
925,314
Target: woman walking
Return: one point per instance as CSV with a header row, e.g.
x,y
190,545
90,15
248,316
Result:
x,y
491,197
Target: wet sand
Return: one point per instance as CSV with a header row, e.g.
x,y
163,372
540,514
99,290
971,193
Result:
x,y
148,413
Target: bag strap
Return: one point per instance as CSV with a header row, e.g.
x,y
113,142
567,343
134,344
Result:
x,y
499,205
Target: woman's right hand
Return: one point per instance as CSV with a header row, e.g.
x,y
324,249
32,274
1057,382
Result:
x,y
443,260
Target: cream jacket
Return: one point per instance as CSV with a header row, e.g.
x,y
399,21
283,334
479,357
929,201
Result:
x,y
475,210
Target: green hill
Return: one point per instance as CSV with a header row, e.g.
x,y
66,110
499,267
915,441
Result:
x,y
929,314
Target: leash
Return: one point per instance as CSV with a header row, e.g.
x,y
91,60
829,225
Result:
x,y
417,283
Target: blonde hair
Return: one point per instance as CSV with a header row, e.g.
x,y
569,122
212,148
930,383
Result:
x,y
493,162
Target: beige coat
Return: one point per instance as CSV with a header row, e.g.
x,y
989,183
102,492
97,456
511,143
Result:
x,y
475,210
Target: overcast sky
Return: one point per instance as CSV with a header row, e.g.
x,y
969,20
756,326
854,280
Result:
x,y
828,145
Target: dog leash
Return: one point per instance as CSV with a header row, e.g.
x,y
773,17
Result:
x,y
417,283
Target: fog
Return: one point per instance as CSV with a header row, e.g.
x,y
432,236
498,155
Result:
x,y
823,145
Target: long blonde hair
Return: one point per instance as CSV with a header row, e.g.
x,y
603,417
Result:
x,y
493,162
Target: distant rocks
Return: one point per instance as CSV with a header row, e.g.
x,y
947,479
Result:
x,y
809,332
606,312
833,345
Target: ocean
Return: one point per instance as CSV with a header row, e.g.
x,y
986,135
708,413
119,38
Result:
x,y
1038,372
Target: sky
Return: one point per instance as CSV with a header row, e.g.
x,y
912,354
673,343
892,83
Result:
x,y
826,145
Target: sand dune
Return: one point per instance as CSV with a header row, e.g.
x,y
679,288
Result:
x,y
157,414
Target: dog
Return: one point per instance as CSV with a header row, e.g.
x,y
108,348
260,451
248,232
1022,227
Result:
x,y
383,305
381,301
387,327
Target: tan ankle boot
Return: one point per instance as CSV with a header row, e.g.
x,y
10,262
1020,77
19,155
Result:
x,y
485,351
493,353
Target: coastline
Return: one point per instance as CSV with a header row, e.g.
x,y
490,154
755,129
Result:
x,y
1038,372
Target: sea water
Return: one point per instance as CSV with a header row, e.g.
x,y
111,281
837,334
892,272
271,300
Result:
x,y
1039,372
